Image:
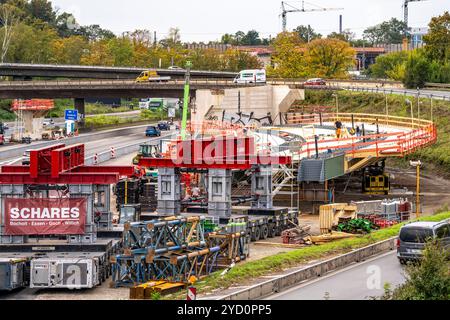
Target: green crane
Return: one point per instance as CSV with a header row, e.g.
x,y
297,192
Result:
x,y
186,99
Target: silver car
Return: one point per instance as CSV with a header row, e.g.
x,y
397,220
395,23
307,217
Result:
x,y
413,236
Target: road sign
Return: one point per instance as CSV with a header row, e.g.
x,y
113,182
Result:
x,y
171,112
71,115
191,294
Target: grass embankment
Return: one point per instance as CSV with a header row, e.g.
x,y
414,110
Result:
x,y
358,102
246,271
103,120
62,104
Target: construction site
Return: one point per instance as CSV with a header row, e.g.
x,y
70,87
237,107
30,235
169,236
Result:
x,y
234,184
238,191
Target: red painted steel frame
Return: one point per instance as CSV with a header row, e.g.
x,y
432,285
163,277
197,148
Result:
x,y
66,159
61,165
40,160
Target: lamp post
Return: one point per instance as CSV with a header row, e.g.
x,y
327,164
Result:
x,y
417,164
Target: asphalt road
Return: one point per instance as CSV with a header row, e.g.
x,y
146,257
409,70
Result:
x,y
357,282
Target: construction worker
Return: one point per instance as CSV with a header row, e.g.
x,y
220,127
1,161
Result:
x,y
358,131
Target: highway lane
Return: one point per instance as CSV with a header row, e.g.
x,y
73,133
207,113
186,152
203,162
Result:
x,y
356,282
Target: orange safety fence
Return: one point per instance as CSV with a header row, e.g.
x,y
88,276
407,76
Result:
x,y
418,134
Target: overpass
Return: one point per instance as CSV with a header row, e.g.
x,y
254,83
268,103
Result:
x,y
25,71
56,89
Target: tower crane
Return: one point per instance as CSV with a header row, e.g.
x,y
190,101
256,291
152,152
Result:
x,y
288,8
405,12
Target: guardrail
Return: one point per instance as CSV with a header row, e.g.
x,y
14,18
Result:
x,y
289,280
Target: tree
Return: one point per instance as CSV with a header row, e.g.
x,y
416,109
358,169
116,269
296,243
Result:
x,y
251,38
42,10
69,50
288,58
227,39
306,33
391,31
9,18
237,60
346,36
417,70
438,38
67,25
329,58
427,280
386,65
94,32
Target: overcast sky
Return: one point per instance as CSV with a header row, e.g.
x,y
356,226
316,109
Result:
x,y
205,20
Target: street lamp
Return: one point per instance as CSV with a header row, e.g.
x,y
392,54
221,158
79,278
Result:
x,y
417,164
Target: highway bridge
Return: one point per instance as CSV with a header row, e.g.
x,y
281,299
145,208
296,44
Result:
x,y
25,71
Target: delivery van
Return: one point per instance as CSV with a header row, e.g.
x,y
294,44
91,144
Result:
x,y
251,76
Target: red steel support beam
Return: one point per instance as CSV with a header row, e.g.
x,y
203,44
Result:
x,y
64,178
66,159
121,170
40,160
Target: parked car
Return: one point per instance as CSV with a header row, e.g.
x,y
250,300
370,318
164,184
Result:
x,y
152,131
26,158
315,82
413,236
163,126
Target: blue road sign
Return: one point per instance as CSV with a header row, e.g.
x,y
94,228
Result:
x,y
71,115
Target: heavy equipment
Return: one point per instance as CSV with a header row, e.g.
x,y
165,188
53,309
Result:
x,y
375,180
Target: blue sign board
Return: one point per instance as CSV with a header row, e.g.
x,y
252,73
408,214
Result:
x,y
71,115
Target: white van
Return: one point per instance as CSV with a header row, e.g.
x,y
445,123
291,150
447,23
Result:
x,y
251,76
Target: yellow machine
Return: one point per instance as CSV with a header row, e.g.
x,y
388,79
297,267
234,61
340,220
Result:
x,y
151,75
375,180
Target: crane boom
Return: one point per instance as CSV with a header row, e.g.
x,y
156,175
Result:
x,y
285,10
405,12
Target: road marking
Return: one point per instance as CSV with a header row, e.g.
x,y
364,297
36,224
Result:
x,y
329,275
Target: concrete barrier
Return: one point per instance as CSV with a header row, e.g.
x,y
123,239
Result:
x,y
284,282
19,150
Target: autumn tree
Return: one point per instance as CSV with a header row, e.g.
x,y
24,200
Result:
x,y
438,38
288,57
69,50
329,58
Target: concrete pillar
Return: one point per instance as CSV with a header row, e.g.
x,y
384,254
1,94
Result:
x,y
80,106
169,191
262,187
219,192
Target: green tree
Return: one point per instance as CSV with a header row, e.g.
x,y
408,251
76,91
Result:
x,y
42,10
391,31
385,64
438,38
237,60
427,280
346,36
251,38
306,33
417,70
95,33
329,58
